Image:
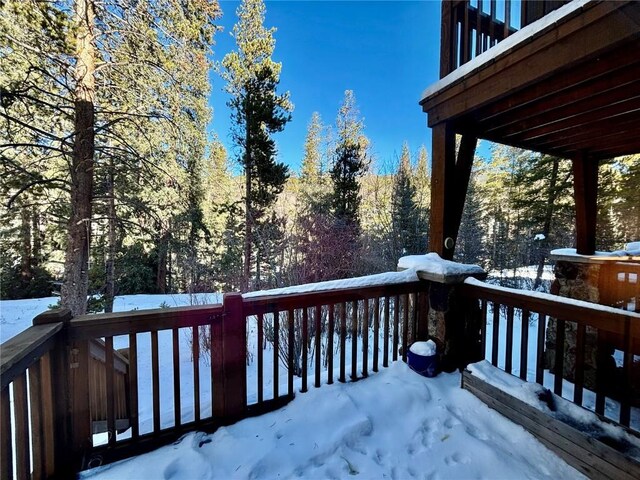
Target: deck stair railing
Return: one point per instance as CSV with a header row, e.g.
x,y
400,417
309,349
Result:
x,y
601,342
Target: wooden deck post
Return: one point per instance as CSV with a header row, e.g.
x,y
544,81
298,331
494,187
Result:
x,y
70,369
449,182
585,185
229,358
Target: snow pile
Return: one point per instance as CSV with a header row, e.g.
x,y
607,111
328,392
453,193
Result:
x,y
568,412
357,282
432,263
425,349
394,424
633,249
539,237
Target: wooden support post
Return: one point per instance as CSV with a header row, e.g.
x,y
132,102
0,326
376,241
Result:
x,y
447,52
449,182
585,185
65,463
230,400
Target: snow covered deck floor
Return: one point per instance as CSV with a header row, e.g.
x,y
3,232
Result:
x,y
395,424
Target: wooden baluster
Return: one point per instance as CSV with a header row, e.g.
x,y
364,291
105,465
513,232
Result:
x,y
217,395
291,324
276,359
21,416
492,22
354,340
318,343
396,326
507,17
365,339
343,342
466,36
6,445
385,354
524,345
479,28
625,401
195,353
177,403
110,393
260,355
48,416
155,380
330,344
414,318
559,363
35,407
305,345
508,361
579,366
405,327
376,332
483,328
133,385
542,323
495,334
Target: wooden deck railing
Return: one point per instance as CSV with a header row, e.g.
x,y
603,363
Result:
x,y
66,379
471,27
598,332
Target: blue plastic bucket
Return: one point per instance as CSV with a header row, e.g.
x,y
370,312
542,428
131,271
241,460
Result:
x,y
427,366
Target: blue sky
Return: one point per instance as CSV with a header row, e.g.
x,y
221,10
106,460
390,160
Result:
x,y
386,52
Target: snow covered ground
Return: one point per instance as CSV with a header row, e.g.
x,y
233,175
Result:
x,y
394,425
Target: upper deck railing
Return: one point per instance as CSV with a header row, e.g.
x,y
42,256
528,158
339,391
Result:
x,y
471,27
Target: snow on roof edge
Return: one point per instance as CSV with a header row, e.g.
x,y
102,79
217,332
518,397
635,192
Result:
x,y
492,53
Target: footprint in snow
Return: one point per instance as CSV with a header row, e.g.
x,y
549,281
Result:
x,y
476,433
451,422
455,459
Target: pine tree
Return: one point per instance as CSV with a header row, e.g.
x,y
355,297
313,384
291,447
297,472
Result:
x,y
405,214
121,92
470,247
258,112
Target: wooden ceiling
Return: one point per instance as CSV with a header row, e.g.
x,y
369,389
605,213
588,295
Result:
x,y
572,89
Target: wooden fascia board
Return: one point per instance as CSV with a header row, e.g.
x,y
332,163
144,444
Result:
x,y
558,47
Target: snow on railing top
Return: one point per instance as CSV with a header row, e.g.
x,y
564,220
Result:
x,y
505,45
553,298
432,267
387,278
633,250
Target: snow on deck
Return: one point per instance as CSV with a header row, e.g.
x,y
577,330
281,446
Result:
x,y
395,424
521,36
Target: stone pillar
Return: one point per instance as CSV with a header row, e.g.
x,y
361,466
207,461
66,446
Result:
x,y
595,279
453,322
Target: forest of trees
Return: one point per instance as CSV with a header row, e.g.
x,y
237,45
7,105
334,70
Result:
x,y
111,185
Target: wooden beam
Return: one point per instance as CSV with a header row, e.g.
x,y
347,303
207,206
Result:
x,y
449,182
443,170
585,186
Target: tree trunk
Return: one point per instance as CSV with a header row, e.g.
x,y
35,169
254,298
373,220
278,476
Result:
x,y
76,284
36,251
25,238
161,278
109,290
546,229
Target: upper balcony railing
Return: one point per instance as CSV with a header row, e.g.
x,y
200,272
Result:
x,y
471,27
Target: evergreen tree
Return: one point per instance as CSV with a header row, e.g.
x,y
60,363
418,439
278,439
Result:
x,y
258,112
470,247
349,165
405,213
